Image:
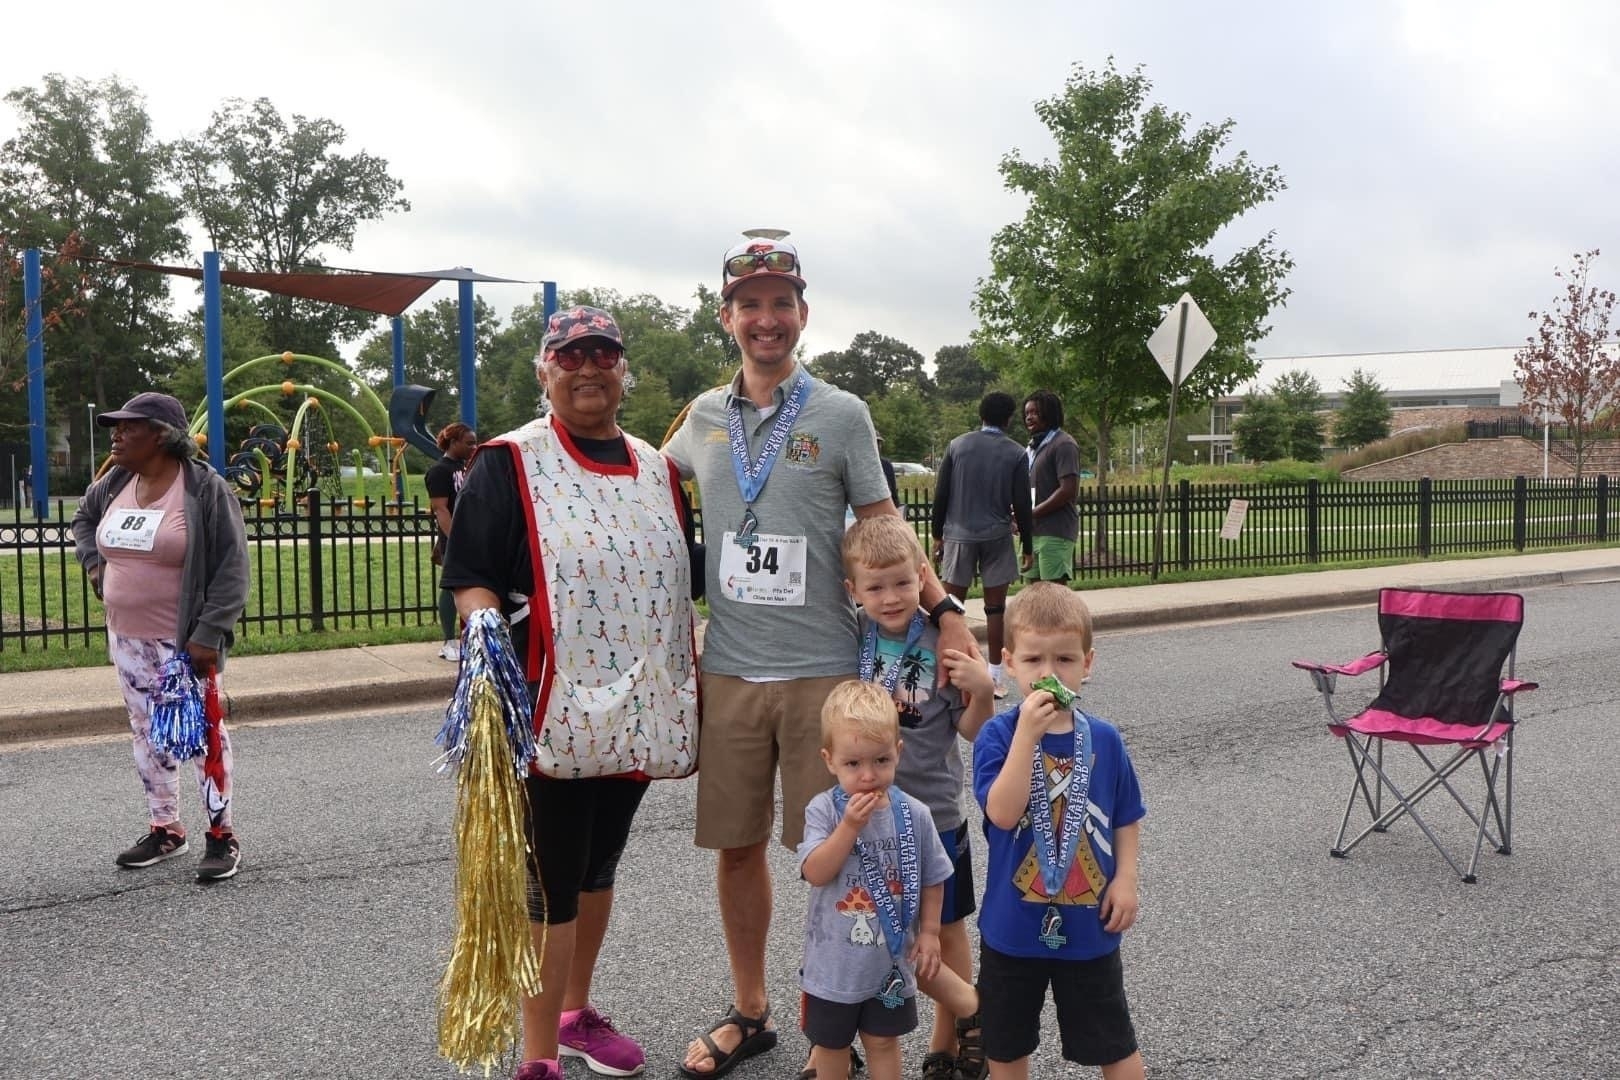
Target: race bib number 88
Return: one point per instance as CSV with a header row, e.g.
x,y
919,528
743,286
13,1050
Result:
x,y
130,530
769,570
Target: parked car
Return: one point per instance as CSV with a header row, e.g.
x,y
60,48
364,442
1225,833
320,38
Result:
x,y
911,468
366,472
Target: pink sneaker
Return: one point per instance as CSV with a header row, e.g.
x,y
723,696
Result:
x,y
537,1070
591,1036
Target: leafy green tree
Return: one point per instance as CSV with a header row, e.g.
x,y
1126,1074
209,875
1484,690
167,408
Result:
x,y
1117,227
1365,416
86,165
1568,368
961,376
906,421
1260,431
1284,422
873,365
276,197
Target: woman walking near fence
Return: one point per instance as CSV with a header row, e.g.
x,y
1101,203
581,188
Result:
x,y
161,539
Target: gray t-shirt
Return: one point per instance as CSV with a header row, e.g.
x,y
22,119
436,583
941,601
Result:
x,y
931,760
1058,458
828,462
983,476
846,957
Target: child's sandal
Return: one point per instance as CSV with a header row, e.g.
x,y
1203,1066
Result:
x,y
970,1059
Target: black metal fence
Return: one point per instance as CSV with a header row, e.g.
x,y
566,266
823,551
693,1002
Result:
x,y
327,567
331,567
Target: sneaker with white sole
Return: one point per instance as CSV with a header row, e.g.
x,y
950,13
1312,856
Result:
x,y
222,858
158,844
451,652
591,1036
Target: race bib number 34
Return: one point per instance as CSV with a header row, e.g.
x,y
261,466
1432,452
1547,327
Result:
x,y
130,530
770,570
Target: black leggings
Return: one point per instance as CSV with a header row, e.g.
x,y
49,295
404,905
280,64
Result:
x,y
577,831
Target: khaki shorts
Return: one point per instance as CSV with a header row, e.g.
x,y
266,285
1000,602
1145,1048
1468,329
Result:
x,y
749,729
992,560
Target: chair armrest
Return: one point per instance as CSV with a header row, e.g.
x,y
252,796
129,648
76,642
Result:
x,y
1514,686
1354,667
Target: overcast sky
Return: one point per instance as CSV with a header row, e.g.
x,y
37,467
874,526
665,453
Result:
x,y
1442,158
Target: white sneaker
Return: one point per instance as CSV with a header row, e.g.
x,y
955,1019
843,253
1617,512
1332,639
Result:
x,y
451,652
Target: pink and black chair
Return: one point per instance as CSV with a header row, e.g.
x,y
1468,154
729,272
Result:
x,y
1446,690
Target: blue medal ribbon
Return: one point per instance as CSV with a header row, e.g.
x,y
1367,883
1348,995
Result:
x,y
895,914
751,475
1056,853
891,678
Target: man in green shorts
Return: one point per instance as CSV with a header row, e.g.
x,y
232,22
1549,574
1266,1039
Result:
x,y
1054,469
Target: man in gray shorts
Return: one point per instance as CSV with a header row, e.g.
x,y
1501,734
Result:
x,y
777,455
983,487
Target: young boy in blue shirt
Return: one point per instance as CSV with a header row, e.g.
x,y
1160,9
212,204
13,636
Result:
x,y
883,565
1062,811
876,867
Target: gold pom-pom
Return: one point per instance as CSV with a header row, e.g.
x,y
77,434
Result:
x,y
493,961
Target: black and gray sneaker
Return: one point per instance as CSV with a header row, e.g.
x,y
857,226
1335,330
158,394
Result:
x,y
154,847
221,859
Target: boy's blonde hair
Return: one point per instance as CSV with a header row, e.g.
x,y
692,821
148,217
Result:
x,y
862,709
1047,607
880,542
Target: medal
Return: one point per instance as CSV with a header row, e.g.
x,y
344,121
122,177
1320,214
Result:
x,y
895,913
748,531
1051,923
751,475
891,678
1057,847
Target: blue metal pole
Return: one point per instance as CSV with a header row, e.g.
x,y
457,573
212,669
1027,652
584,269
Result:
x,y
34,328
214,360
397,325
469,373
549,302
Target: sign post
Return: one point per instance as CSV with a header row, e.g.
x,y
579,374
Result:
x,y
1178,345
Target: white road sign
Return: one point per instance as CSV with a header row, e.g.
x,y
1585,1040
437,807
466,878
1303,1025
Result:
x,y
1200,336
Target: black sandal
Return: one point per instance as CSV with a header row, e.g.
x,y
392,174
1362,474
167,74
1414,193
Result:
x,y
756,1039
970,1060
855,1066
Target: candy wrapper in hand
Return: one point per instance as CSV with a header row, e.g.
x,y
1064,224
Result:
x,y
1060,693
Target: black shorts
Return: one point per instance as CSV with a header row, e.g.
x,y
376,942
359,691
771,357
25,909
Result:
x,y
959,902
1094,1018
833,1024
577,830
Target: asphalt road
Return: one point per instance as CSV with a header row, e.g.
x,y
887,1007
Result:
x,y
1256,953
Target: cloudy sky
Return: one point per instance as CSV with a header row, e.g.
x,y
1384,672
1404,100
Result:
x,y
1442,157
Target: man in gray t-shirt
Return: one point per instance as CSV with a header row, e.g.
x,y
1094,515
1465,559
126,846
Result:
x,y
777,456
1054,469
983,488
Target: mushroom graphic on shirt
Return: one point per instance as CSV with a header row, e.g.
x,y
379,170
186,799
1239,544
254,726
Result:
x,y
857,904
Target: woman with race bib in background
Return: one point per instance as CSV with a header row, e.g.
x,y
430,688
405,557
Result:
x,y
161,538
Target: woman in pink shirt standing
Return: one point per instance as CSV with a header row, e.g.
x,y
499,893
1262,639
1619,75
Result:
x,y
161,538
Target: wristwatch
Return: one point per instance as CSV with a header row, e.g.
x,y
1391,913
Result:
x,y
949,604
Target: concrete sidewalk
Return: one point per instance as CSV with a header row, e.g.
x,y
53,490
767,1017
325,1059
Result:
x,y
86,701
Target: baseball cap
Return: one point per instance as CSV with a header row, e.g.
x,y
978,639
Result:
x,y
760,255
150,405
577,323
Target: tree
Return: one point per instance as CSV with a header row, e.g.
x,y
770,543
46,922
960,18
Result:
x,y
86,165
873,365
1117,227
275,197
961,376
1284,422
1365,416
1567,367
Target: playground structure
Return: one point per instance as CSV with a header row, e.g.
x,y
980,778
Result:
x,y
281,460
387,294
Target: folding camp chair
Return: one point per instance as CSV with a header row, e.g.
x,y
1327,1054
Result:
x,y
1445,680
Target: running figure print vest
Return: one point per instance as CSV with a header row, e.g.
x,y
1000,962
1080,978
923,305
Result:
x,y
618,682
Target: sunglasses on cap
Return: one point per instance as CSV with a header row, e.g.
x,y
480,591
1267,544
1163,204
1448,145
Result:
x,y
777,261
575,357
